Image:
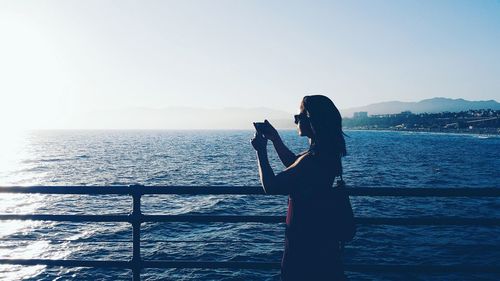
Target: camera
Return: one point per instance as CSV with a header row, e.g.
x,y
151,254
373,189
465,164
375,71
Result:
x,y
259,126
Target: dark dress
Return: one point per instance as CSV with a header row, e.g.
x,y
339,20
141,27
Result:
x,y
310,252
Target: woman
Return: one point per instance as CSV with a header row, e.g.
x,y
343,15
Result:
x,y
310,251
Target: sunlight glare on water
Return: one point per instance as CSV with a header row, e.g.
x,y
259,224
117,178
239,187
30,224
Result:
x,y
13,150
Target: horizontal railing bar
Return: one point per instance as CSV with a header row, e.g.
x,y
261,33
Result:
x,y
213,241
68,263
380,268
73,189
14,239
68,218
210,218
425,192
248,190
65,240
211,264
430,221
255,219
368,221
205,190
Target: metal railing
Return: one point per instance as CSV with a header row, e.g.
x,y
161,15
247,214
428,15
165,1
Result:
x,y
135,218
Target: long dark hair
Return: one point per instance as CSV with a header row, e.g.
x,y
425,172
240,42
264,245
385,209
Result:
x,y
326,125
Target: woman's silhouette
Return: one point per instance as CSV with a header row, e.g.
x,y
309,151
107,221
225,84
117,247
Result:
x,y
310,251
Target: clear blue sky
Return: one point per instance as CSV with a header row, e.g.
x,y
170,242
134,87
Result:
x,y
61,57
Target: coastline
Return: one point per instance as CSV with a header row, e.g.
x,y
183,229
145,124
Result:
x,y
475,131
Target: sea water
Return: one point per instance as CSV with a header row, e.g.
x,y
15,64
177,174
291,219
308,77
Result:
x,y
221,158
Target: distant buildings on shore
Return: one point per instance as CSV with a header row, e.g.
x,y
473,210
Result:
x,y
361,114
476,121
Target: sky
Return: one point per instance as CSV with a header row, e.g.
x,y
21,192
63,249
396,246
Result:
x,y
63,58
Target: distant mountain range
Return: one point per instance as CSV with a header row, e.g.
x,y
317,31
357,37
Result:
x,y
189,118
242,118
433,105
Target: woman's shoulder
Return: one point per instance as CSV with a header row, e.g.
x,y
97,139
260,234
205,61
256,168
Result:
x,y
303,163
310,155
303,153
306,160
319,163
310,158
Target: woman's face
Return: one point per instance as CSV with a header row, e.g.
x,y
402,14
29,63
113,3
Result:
x,y
304,126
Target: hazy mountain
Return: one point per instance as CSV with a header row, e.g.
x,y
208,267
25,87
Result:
x,y
242,118
182,118
428,105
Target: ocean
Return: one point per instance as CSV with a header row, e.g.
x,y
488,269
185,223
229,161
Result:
x,y
220,158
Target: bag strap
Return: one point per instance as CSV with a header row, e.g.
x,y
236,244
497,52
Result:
x,y
341,184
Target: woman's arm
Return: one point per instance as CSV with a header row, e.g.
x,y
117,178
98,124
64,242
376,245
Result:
x,y
286,156
266,173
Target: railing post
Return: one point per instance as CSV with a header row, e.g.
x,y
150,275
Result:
x,y
135,220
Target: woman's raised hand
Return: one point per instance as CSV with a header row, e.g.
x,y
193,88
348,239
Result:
x,y
259,143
